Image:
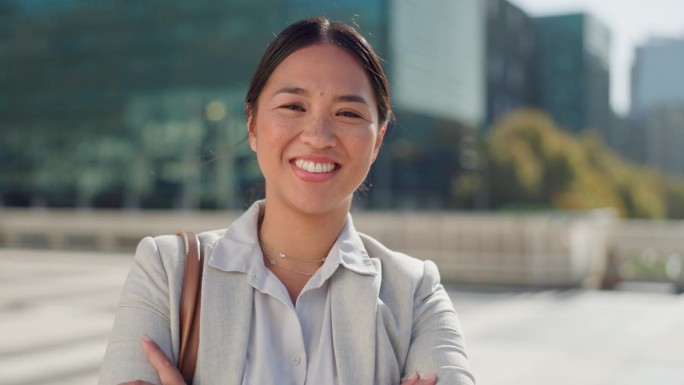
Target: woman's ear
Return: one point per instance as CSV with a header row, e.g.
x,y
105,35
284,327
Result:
x,y
251,134
378,140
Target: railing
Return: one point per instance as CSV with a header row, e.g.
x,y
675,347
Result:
x,y
589,249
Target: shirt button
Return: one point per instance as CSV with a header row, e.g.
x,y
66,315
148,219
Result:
x,y
295,360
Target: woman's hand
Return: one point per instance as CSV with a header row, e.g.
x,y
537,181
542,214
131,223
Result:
x,y
166,370
414,379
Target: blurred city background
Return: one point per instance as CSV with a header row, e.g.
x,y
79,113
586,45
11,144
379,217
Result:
x,y
537,157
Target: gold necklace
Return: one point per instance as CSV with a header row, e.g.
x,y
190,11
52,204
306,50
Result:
x,y
283,255
263,245
275,263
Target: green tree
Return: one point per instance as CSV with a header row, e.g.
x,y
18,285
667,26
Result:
x,y
534,163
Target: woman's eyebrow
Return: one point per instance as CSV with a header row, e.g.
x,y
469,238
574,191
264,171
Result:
x,y
342,98
291,90
353,99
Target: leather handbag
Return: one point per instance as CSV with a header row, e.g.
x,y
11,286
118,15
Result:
x,y
190,305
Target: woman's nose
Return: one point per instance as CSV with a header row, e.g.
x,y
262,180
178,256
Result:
x,y
318,132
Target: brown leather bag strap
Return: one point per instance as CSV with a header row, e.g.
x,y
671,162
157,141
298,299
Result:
x,y
190,305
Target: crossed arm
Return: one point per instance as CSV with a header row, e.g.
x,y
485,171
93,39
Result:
x,y
169,375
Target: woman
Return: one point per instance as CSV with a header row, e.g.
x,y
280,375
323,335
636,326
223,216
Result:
x,y
291,293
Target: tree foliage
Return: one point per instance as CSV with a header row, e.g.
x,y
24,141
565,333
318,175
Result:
x,y
531,162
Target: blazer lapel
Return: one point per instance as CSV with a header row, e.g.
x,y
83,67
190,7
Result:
x,y
354,299
225,325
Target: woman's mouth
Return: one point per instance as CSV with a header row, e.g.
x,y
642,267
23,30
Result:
x,y
313,167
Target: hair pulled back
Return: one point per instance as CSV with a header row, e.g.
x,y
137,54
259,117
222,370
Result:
x,y
319,30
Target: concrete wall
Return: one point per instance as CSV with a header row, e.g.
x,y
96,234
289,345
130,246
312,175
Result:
x,y
552,249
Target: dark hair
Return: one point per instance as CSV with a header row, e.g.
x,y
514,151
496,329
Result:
x,y
312,31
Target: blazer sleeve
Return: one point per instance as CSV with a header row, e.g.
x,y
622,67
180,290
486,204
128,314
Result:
x,y
437,342
144,309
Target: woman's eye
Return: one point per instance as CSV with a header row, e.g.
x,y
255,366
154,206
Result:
x,y
293,107
349,114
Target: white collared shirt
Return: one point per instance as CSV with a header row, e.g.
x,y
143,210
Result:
x,y
290,344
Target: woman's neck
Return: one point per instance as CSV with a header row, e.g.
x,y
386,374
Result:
x,y
300,234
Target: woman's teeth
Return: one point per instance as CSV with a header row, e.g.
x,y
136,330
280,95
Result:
x,y
310,166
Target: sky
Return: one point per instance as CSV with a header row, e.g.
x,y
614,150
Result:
x,y
631,23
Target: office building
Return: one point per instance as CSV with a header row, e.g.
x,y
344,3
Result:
x,y
436,56
511,60
574,79
657,79
436,69
665,139
657,109
137,104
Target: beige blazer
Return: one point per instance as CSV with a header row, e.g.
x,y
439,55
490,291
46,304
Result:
x,y
385,325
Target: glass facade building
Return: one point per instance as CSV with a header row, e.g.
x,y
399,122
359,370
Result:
x,y
114,103
656,75
511,60
658,105
574,79
437,56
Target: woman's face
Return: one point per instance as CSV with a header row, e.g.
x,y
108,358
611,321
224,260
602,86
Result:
x,y
315,130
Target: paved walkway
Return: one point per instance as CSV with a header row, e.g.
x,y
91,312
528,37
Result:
x,y
56,310
574,337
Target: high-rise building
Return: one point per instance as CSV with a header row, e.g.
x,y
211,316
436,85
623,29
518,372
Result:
x,y
436,69
665,139
574,79
436,57
511,59
658,105
657,74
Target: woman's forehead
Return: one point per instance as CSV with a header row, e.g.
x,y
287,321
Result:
x,y
320,68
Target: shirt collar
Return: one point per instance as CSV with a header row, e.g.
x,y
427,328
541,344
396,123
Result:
x,y
237,249
352,253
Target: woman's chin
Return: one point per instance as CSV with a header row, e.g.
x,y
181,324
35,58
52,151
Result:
x,y
317,205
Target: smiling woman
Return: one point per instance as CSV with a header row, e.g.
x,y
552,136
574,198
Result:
x,y
316,113
291,292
